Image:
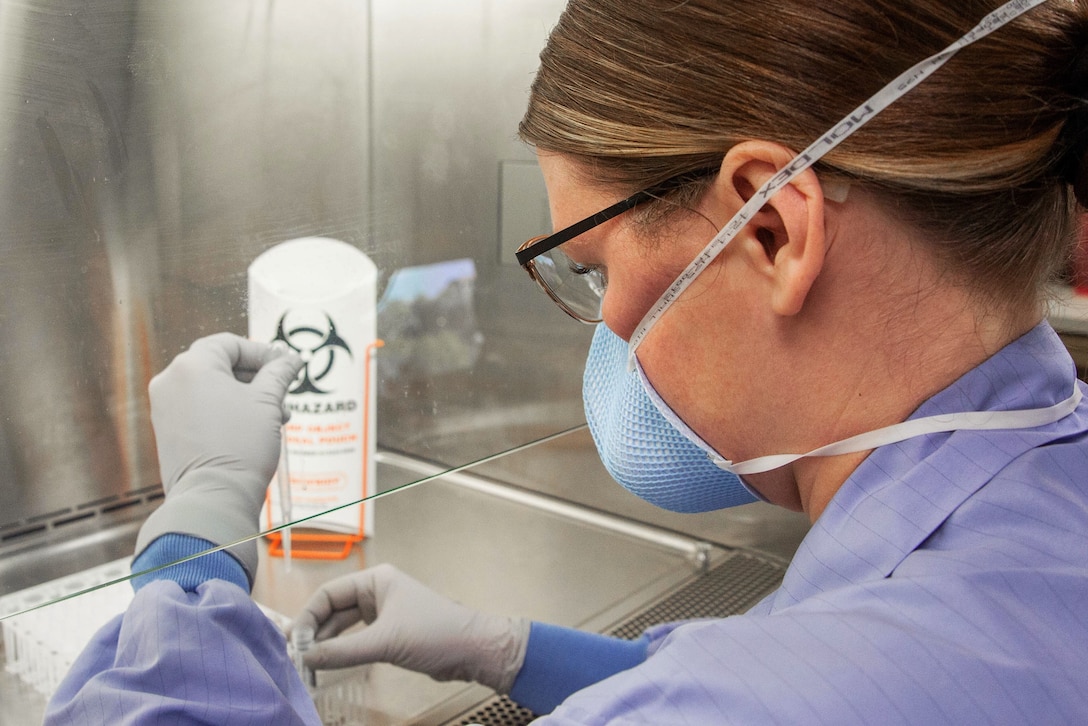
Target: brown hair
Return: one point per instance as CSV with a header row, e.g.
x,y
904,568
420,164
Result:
x,y
976,155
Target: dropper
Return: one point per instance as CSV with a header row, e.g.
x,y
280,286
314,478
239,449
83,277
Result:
x,y
284,477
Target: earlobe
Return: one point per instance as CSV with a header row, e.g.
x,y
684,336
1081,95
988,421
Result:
x,y
785,241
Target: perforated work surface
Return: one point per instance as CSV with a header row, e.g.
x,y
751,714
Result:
x,y
731,587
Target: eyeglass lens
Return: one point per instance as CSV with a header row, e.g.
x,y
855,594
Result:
x,y
578,288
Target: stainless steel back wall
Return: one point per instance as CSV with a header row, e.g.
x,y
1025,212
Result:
x,y
150,150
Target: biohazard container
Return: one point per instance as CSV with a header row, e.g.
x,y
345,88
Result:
x,y
318,296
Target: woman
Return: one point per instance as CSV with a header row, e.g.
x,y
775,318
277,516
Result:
x,y
864,337
902,277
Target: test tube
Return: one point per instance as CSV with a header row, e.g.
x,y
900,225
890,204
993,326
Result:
x,y
302,639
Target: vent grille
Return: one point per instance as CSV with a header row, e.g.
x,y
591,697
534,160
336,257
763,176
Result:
x,y
97,513
731,587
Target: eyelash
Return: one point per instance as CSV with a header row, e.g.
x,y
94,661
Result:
x,y
578,269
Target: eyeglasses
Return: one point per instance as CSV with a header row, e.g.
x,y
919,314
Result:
x,y
578,289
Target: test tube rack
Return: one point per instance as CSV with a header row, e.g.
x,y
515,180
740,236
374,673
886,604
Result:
x,y
40,645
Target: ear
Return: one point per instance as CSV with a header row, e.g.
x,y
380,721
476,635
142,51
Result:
x,y
784,243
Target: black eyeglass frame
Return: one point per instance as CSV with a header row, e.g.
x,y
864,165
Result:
x,y
539,245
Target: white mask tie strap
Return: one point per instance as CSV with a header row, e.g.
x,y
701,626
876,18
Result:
x,y
941,423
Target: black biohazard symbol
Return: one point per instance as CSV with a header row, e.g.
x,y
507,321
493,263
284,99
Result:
x,y
318,349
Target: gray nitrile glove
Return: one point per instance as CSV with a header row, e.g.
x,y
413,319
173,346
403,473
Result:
x,y
413,627
217,411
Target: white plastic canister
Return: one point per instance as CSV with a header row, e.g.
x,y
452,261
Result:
x,y
318,296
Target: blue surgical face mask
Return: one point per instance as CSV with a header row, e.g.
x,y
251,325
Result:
x,y
648,448
640,447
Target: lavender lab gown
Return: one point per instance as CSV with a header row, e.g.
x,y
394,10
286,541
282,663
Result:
x,y
946,583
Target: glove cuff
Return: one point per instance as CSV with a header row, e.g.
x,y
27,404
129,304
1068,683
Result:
x,y
508,640
209,504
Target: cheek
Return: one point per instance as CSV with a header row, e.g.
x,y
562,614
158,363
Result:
x,y
637,277
629,297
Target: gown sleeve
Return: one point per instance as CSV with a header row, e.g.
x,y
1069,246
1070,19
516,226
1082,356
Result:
x,y
192,648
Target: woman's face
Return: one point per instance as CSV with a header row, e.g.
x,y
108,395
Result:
x,y
718,356
691,355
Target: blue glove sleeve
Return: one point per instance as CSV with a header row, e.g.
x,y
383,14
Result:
x,y
173,547
560,661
